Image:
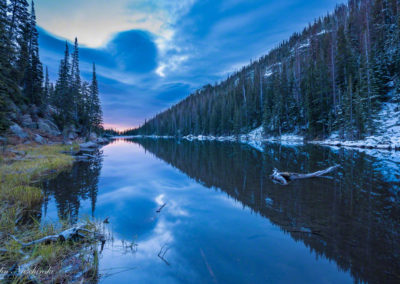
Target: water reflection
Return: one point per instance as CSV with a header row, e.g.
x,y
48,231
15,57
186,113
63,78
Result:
x,y
351,218
72,187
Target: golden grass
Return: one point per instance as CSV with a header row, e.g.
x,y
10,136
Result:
x,y
17,175
20,170
20,173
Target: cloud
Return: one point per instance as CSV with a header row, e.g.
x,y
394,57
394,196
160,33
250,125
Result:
x,y
150,54
96,21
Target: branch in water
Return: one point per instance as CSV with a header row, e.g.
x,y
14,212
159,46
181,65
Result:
x,y
162,206
284,178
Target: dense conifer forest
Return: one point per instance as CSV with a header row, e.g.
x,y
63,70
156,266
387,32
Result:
x,y
26,88
334,76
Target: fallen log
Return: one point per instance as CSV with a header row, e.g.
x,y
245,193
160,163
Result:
x,y
285,178
74,233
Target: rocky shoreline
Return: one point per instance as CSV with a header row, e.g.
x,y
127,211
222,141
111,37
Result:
x,y
256,138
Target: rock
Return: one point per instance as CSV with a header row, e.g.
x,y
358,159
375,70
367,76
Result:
x,y
92,136
88,145
39,139
70,132
87,150
81,158
48,127
72,135
14,111
18,131
101,140
34,110
26,121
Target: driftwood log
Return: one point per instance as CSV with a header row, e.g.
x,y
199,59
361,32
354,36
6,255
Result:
x,y
284,178
75,233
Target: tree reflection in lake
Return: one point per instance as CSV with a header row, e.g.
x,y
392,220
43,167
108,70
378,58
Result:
x,y
352,217
70,188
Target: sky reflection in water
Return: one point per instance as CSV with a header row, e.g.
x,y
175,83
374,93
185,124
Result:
x,y
211,237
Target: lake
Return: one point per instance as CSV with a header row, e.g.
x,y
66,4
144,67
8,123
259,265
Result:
x,y
225,221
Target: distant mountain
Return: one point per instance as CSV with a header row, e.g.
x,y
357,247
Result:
x,y
333,77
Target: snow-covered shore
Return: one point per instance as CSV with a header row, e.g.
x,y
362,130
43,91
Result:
x,y
387,136
254,138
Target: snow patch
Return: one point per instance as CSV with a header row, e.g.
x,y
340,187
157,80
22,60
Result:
x,y
387,136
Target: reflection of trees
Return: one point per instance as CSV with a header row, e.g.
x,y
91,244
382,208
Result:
x,y
351,219
70,187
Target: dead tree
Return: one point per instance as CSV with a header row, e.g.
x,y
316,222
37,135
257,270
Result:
x,y
284,178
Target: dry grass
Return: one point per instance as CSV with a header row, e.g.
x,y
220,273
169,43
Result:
x,y
20,170
17,174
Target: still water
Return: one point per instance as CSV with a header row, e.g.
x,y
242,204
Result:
x,y
226,222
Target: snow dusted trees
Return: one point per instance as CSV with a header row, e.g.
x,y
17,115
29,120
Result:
x,y
332,77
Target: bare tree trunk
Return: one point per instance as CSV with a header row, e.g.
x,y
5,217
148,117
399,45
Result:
x,y
284,177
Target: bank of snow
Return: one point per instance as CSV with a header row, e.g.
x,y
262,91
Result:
x,y
255,138
386,137
387,134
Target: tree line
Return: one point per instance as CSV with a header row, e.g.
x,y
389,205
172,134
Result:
x,y
332,77
72,102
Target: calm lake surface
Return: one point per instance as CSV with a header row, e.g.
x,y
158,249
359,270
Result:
x,y
225,221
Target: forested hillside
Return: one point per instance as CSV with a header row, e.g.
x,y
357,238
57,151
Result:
x,y
27,97
332,77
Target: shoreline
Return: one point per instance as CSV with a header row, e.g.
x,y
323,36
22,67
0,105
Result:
x,y
286,139
22,168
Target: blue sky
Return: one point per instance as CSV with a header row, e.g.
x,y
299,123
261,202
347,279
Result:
x,y
151,54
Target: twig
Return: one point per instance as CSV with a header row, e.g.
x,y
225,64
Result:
x,y
208,266
162,253
162,206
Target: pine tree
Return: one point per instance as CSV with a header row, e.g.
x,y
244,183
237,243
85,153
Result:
x,y
76,83
95,108
7,87
18,16
34,74
63,100
46,88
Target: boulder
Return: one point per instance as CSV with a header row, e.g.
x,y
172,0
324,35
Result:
x,y
39,139
34,110
13,112
102,140
26,121
48,127
92,136
18,131
72,135
88,145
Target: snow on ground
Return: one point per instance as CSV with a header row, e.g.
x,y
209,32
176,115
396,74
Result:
x,y
387,135
254,138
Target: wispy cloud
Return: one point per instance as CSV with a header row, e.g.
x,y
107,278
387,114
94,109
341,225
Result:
x,y
152,53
